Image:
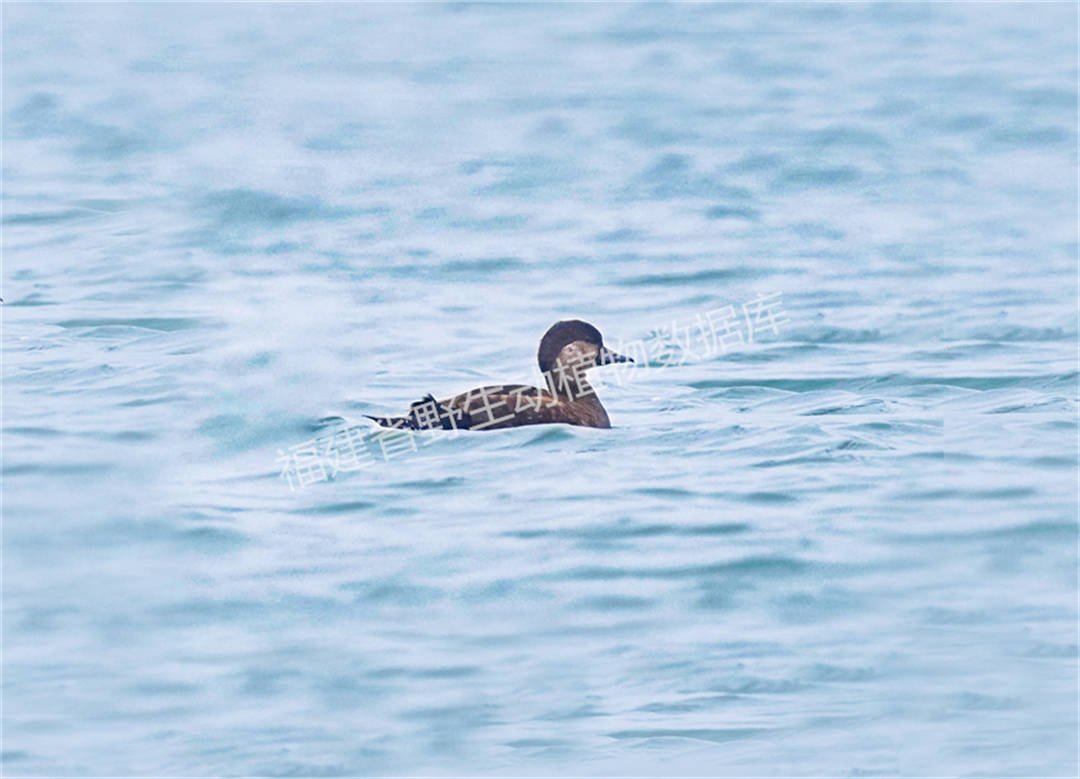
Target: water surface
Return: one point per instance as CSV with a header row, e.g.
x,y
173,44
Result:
x,y
845,549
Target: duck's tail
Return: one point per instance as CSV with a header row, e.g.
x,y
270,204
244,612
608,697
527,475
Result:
x,y
425,414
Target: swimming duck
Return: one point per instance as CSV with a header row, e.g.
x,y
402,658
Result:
x,y
567,350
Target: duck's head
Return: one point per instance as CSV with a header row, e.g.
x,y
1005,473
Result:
x,y
573,342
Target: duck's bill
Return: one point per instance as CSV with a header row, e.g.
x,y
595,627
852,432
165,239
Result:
x,y
607,357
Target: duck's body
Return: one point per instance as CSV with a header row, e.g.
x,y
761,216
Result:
x,y
566,351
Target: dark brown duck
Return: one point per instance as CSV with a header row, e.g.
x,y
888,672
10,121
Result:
x,y
567,350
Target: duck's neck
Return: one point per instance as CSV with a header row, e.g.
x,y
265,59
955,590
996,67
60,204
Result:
x,y
567,384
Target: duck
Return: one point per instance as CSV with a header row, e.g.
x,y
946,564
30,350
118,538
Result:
x,y
567,350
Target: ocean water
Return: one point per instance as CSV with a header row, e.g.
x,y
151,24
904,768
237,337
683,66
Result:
x,y
846,548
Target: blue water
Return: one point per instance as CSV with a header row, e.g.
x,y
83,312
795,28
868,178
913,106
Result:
x,y
846,549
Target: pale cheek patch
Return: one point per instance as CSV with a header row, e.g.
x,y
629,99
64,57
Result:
x,y
578,353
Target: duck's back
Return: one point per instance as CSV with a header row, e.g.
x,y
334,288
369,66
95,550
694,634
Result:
x,y
500,406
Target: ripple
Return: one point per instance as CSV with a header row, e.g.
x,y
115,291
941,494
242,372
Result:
x,y
796,179
612,603
213,539
1019,137
764,566
697,277
241,207
394,593
732,212
719,735
825,672
630,530
833,335
163,324
347,507
846,136
551,435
